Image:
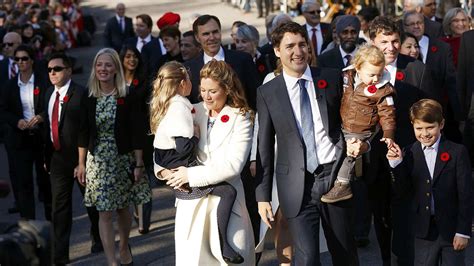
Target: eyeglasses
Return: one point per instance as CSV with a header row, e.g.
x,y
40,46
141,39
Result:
x,y
8,44
314,12
56,69
23,58
418,23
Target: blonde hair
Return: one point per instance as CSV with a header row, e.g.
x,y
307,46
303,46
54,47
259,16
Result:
x,y
370,54
119,80
223,74
165,86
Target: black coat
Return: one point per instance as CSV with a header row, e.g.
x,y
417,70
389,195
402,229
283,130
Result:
x,y
465,77
114,37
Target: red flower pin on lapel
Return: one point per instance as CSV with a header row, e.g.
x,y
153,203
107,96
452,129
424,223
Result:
x,y
322,84
444,156
36,91
372,89
193,111
120,101
434,49
135,82
261,68
400,75
65,99
225,118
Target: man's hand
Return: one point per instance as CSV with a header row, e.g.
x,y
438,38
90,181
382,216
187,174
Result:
x,y
253,168
460,243
266,213
80,174
356,147
22,124
37,119
394,152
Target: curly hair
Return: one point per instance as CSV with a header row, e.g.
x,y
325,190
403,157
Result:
x,y
166,85
223,74
370,54
384,25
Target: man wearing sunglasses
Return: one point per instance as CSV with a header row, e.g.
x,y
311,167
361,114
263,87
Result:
x,y
61,117
318,33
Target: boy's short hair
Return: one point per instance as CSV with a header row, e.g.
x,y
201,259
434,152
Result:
x,y
426,110
370,54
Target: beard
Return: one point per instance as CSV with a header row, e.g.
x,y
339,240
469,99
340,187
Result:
x,y
348,46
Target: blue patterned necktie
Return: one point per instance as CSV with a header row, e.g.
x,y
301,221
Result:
x,y
308,128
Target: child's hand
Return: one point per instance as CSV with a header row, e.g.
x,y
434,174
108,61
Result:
x,y
197,133
394,152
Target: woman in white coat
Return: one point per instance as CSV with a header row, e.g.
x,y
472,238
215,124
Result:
x,y
225,123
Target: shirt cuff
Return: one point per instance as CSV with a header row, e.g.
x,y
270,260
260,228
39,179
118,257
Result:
x,y
463,236
394,163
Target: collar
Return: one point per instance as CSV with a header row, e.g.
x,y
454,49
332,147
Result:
x,y
63,90
220,56
310,28
435,146
118,17
343,53
392,66
424,41
30,81
182,99
257,56
292,81
147,39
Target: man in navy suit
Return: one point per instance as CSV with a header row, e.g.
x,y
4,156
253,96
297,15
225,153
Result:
x,y
300,108
61,117
143,27
118,29
438,173
207,29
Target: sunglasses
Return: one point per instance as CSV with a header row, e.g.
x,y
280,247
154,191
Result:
x,y
8,44
56,69
23,58
314,12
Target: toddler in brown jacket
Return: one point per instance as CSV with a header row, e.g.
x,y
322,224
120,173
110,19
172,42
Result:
x,y
367,101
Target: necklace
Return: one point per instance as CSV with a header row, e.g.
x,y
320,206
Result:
x,y
109,93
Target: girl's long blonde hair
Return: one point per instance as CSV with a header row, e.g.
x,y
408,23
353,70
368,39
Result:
x,y
169,79
119,80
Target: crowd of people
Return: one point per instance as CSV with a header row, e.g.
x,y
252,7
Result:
x,y
368,118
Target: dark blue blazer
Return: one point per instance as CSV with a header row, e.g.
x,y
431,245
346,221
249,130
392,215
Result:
x,y
151,54
465,77
113,35
240,62
451,188
332,58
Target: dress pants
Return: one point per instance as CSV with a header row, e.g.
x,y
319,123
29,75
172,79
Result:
x,y
62,182
31,153
336,219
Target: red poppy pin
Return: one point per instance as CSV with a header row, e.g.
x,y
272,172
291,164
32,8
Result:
x,y
444,157
434,49
65,99
400,75
372,89
36,91
135,82
225,118
120,101
193,111
322,84
261,68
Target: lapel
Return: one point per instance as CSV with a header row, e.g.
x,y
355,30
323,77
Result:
x,y
222,127
69,94
16,95
47,97
421,167
281,94
37,91
440,164
321,97
339,59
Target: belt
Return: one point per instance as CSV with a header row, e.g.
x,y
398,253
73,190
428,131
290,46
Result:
x,y
323,167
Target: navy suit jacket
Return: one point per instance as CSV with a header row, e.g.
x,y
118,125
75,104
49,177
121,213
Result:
x,y
451,188
151,54
332,58
276,118
465,78
240,62
114,37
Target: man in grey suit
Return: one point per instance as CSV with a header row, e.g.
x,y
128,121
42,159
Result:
x,y
301,108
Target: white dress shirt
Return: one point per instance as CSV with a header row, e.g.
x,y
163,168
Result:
x,y
319,36
62,92
219,56
392,69
27,97
140,43
343,54
121,22
325,149
424,43
162,46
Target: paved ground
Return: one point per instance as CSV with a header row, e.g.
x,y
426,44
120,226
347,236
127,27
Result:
x,y
157,247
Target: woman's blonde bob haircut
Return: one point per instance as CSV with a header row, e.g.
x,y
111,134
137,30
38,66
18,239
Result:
x,y
119,80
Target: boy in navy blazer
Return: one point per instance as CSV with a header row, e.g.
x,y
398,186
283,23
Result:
x,y
438,172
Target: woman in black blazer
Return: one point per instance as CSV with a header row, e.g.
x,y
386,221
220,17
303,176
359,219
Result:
x,y
138,87
111,138
21,108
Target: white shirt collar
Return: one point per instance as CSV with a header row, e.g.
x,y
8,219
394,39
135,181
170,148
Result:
x,y
62,90
424,43
30,81
435,146
220,56
309,28
343,53
147,39
292,81
118,18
